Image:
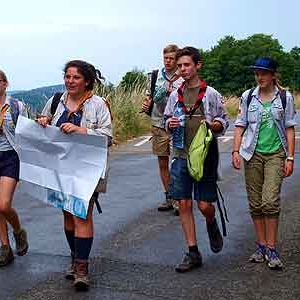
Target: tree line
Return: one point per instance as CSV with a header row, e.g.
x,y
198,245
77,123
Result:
x,y
226,65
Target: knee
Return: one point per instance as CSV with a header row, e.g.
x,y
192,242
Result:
x,y
4,207
185,206
205,207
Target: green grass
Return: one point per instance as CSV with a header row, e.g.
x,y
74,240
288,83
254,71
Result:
x,y
128,122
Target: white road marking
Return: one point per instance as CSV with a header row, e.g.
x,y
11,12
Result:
x,y
142,142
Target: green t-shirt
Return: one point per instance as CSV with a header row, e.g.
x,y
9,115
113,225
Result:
x,y
268,138
190,96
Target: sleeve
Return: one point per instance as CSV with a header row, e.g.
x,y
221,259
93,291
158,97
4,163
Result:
x,y
47,109
104,123
241,120
290,112
220,112
23,109
169,109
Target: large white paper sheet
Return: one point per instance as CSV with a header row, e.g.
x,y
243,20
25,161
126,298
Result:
x,y
58,168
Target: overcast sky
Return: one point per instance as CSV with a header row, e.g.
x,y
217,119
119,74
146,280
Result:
x,y
39,37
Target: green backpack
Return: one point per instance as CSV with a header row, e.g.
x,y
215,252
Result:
x,y
198,151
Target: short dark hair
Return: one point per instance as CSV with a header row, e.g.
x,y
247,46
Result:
x,y
87,70
190,51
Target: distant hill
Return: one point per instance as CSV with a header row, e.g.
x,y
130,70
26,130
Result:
x,y
37,98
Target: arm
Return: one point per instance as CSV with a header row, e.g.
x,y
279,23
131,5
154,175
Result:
x,y
237,141
169,111
289,163
218,120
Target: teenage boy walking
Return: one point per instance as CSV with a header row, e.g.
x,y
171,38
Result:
x,y
167,81
201,102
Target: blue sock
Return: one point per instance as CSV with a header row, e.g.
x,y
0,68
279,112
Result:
x,y
70,238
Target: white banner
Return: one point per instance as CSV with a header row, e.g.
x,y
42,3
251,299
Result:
x,y
58,168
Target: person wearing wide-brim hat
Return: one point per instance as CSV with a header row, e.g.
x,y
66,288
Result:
x,y
266,118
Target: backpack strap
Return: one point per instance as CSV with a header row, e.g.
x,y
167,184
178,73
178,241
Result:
x,y
55,102
14,110
154,75
249,98
282,94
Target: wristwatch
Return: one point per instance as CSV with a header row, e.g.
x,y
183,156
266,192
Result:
x,y
290,158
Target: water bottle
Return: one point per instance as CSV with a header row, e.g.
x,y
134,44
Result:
x,y
179,132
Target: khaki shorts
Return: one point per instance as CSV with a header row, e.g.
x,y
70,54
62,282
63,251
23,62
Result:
x,y
102,183
160,142
264,174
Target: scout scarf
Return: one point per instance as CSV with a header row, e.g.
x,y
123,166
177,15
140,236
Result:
x,y
201,93
3,111
81,103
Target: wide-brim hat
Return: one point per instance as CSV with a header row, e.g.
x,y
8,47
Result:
x,y
265,63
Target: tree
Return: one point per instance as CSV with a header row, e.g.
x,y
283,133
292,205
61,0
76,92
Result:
x,y
133,79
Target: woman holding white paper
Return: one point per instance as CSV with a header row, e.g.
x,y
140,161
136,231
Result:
x,y
10,109
78,110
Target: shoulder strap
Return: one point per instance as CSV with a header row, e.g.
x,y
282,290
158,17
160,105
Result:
x,y
282,94
54,103
249,98
154,75
14,110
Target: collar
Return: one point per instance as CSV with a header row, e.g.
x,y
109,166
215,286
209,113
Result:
x,y
164,74
256,92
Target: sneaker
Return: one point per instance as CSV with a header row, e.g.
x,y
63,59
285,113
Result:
x,y
6,255
175,205
21,242
190,261
259,254
215,237
274,262
165,206
70,272
81,281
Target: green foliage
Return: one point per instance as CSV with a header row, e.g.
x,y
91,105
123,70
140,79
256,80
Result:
x,y
226,66
133,79
126,106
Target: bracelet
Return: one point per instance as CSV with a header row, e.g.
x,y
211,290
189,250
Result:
x,y
290,158
234,151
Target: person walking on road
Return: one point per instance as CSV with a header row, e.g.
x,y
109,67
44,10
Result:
x,y
266,118
79,111
9,174
201,102
167,81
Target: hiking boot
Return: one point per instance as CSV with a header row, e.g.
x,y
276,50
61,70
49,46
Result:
x,y
81,281
21,242
215,237
189,262
274,262
259,255
70,272
175,205
165,206
6,255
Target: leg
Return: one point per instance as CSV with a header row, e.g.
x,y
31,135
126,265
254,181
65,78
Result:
x,y
271,230
163,165
254,178
7,189
84,232
214,234
187,221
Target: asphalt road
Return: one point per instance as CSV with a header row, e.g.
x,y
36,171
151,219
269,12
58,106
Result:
x,y
136,248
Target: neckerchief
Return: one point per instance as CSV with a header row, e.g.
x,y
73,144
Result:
x,y
3,111
81,103
171,80
201,93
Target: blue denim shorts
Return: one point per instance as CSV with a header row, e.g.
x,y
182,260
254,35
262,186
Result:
x,y
183,186
9,164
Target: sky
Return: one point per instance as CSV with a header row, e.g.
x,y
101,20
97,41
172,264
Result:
x,y
38,37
